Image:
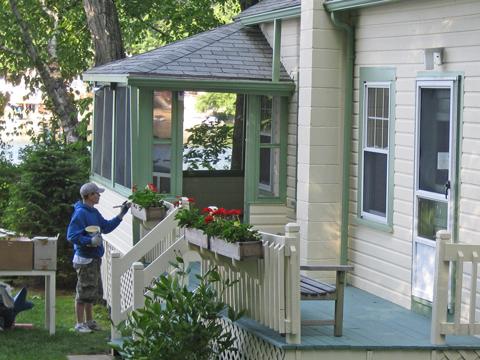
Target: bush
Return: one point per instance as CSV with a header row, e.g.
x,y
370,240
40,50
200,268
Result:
x,y
8,177
40,203
185,326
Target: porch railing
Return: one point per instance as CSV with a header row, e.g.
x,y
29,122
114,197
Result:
x,y
466,257
152,254
267,289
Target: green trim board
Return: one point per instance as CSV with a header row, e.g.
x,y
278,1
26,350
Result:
x,y
249,87
277,46
341,5
286,13
106,78
377,75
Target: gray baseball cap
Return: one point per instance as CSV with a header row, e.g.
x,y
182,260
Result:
x,y
90,188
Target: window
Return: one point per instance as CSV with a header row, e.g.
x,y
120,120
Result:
x,y
269,137
111,155
376,145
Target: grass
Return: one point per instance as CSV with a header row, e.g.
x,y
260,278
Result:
x,y
37,344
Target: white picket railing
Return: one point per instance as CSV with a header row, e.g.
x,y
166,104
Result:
x,y
121,280
460,254
268,289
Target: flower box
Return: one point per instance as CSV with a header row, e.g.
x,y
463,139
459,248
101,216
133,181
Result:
x,y
238,250
148,214
196,237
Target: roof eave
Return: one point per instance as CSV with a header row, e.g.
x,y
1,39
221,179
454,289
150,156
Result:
x,y
105,78
342,5
282,88
285,13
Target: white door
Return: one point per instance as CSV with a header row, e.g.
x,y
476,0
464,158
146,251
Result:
x,y
434,167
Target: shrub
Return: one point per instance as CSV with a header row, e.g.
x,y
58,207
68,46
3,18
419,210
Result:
x,y
50,175
185,326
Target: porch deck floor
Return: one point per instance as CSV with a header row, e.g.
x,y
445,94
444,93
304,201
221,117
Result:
x,y
370,322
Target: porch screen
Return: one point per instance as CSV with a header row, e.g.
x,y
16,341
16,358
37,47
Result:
x,y
375,151
122,137
162,140
102,133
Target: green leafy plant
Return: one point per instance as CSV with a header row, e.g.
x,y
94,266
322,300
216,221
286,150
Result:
x,y
177,323
147,197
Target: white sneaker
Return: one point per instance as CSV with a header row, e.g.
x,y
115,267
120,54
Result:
x,y
82,328
93,325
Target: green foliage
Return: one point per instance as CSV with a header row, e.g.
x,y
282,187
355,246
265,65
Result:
x,y
179,324
221,105
147,197
8,177
231,231
190,218
40,202
149,24
207,143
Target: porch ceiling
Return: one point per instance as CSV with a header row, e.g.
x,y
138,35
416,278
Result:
x,y
370,322
229,52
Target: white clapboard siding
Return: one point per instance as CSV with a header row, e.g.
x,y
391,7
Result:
x,y
269,218
395,35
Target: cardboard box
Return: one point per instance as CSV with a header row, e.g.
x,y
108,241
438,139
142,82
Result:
x,y
45,253
16,253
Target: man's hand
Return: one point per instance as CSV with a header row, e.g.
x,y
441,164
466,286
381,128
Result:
x,y
125,207
97,240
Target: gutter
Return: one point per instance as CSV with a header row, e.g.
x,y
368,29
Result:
x,y
347,133
341,5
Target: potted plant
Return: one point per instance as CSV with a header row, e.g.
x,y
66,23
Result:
x,y
231,238
192,220
148,204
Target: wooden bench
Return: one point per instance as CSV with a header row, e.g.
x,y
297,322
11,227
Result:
x,y
311,289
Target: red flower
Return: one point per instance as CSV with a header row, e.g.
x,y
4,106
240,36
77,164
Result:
x,y
208,219
206,210
191,200
236,212
151,187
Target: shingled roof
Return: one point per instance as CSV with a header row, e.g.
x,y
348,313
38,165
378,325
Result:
x,y
267,6
231,51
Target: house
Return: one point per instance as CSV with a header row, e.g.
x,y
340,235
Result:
x,y
360,124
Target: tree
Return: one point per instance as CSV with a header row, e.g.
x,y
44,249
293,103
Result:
x,y
49,42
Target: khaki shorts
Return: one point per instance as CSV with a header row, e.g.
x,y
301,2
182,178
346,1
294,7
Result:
x,y
89,282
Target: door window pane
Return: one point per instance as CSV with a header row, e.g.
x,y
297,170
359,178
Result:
x,y
432,217
161,166
269,120
434,139
377,114
162,114
375,183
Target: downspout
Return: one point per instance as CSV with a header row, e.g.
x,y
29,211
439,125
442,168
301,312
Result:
x,y
347,133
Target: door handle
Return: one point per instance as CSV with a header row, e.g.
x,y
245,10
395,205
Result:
x,y
447,188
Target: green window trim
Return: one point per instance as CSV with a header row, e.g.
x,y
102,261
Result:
x,y
380,75
253,146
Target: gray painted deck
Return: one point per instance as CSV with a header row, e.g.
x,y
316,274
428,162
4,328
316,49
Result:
x,y
369,323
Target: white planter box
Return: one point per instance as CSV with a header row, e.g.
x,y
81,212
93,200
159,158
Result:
x,y
148,214
196,237
237,251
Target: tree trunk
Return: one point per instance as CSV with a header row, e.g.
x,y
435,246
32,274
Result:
x,y
49,72
102,20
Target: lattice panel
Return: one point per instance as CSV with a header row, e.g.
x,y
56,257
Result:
x,y
126,290
107,272
458,355
250,347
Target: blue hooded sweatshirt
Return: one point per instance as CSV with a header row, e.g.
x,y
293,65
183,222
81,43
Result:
x,y
82,217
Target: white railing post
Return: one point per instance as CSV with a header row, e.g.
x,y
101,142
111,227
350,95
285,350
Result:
x,y
440,289
138,285
292,279
115,306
